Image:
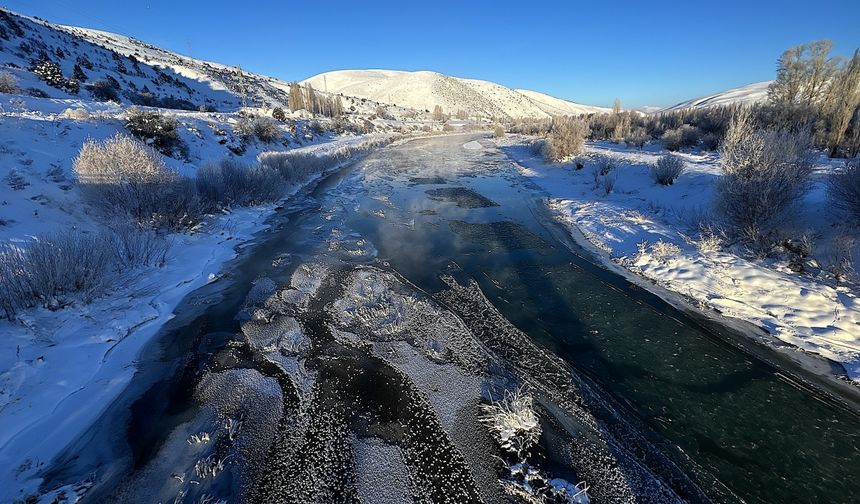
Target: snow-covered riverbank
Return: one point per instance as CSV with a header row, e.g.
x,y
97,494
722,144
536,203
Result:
x,y
60,369
653,231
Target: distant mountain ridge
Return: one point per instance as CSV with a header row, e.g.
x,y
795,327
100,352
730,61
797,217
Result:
x,y
424,90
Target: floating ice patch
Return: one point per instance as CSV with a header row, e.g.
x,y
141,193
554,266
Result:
x,y
283,334
473,145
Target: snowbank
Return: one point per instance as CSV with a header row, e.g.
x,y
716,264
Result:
x,y
652,230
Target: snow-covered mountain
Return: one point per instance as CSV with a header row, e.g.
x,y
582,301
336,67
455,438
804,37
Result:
x,y
751,93
424,90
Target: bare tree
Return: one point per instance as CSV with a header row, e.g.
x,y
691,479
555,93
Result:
x,y
844,100
296,99
438,114
311,100
616,106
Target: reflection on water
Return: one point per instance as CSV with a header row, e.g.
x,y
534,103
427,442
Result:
x,y
462,224
732,416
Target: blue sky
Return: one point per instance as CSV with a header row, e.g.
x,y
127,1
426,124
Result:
x,y
646,53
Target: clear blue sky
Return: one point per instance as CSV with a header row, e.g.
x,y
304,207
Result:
x,y
646,53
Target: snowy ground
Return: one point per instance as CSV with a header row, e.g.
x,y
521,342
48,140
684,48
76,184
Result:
x,y
60,369
654,231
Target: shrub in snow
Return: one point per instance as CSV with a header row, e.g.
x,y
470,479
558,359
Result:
x,y
155,129
637,138
278,114
15,180
231,183
513,421
679,138
121,176
765,172
608,183
8,83
52,75
664,250
498,131
667,169
316,127
263,129
566,139
104,90
52,268
843,189
76,114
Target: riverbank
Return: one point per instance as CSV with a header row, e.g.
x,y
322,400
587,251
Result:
x,y
60,369
650,233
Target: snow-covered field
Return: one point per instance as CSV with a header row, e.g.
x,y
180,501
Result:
x,y
654,231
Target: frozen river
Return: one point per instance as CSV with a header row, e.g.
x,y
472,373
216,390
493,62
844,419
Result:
x,y
347,355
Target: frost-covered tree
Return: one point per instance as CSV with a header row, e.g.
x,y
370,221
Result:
x,y
803,74
842,103
616,106
438,113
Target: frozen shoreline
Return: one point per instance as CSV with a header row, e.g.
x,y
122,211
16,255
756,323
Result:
x,y
790,314
59,370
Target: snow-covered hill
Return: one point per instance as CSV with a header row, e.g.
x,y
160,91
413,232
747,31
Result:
x,y
424,90
751,93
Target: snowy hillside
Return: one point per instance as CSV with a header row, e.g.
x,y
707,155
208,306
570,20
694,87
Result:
x,y
751,93
81,61
424,90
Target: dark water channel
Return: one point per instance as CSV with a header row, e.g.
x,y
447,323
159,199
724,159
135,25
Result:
x,y
732,422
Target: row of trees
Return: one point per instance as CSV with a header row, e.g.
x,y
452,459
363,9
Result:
x,y
308,99
813,91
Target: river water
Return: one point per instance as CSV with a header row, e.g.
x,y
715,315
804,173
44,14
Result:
x,y
401,293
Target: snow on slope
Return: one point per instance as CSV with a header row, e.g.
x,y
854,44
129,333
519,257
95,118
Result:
x,y
751,93
556,106
424,90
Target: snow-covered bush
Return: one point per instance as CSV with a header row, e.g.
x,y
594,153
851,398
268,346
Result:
x,y
843,188
263,129
8,83
566,139
638,137
682,137
316,127
155,129
54,269
76,114
608,183
104,90
122,176
664,250
498,131
278,114
667,169
51,74
15,180
231,183
513,421
765,172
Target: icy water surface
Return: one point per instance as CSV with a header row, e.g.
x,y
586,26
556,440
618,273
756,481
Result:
x,y
347,357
